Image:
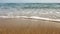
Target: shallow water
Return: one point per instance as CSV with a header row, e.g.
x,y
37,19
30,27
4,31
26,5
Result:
x,y
14,10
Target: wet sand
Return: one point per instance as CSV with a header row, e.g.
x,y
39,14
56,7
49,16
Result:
x,y
28,26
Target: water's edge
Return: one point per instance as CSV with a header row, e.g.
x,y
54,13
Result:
x,y
31,17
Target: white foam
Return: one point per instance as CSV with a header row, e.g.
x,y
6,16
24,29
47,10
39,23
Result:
x,y
33,17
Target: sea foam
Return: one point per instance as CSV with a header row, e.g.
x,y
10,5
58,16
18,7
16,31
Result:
x,y
32,17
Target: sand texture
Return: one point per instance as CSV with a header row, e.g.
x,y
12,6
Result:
x,y
28,26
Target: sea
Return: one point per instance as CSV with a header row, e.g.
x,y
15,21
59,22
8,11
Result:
x,y
46,11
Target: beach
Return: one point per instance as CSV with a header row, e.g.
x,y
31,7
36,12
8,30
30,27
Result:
x,y
28,26
29,18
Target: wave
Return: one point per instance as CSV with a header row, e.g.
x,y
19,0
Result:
x,y
31,17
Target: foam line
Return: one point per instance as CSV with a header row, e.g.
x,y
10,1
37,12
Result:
x,y
13,17
33,17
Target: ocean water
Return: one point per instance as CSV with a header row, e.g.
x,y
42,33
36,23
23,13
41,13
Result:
x,y
47,11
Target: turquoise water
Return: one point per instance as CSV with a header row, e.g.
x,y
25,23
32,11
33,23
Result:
x,y
29,5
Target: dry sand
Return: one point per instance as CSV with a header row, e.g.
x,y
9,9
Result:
x,y
28,26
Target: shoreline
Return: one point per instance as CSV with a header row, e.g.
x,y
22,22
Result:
x,y
30,17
